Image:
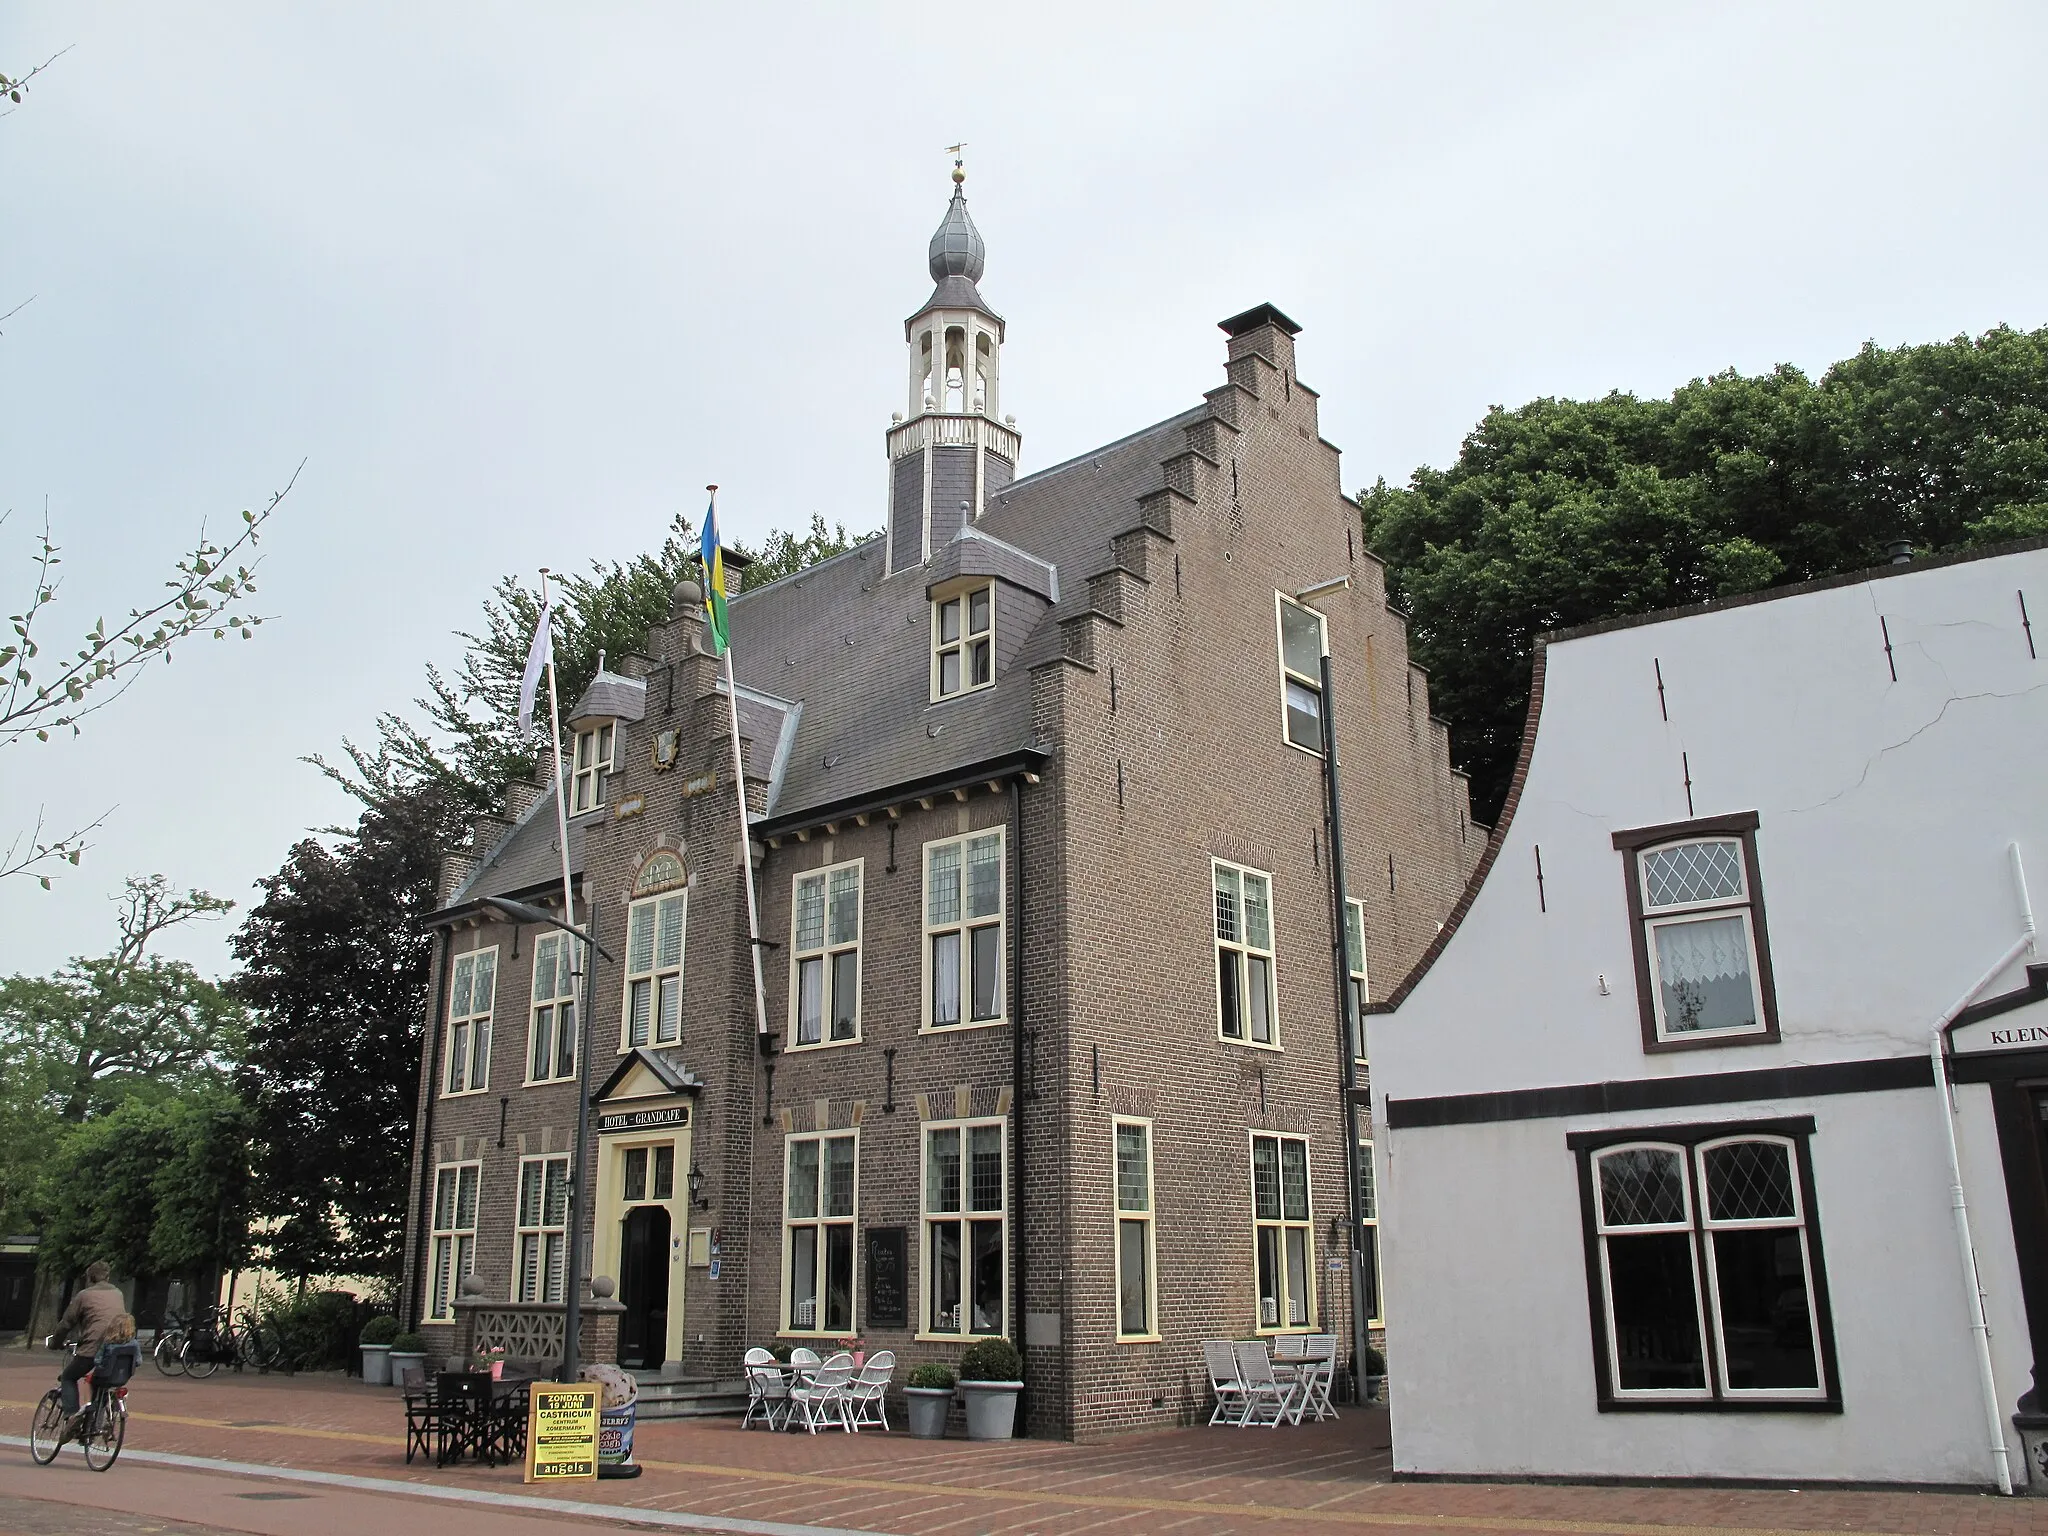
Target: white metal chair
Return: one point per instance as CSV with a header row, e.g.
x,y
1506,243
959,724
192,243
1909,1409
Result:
x,y
1292,1364
1223,1381
867,1394
767,1389
1267,1399
1317,1372
821,1398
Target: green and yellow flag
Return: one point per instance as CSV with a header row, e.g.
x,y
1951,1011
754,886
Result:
x,y
714,579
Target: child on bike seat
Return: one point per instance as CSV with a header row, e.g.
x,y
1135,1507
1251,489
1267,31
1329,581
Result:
x,y
118,1355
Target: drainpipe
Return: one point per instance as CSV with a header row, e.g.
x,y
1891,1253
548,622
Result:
x,y
1966,1248
430,1072
1017,1073
1348,1023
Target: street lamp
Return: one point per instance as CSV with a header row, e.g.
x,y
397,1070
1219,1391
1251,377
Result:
x,y
520,912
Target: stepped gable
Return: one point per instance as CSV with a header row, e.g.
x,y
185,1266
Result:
x,y
1072,514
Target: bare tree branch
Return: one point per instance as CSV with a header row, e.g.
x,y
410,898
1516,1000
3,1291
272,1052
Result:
x,y
38,856
11,89
203,594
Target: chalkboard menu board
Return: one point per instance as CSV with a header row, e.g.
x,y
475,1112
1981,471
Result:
x,y
888,1278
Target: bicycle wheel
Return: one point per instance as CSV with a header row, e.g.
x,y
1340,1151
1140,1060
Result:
x,y
257,1346
200,1356
43,1443
104,1435
273,1354
169,1352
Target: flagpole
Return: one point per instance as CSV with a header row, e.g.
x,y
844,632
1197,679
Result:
x,y
561,800
739,777
572,1280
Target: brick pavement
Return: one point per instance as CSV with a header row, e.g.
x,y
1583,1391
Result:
x,y
1317,1477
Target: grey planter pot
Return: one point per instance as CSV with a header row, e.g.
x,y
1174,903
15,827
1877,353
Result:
x,y
399,1364
929,1407
991,1408
376,1365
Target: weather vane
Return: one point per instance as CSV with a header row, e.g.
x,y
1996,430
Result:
x,y
959,166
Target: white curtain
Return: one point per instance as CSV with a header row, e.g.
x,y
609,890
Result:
x,y
1713,949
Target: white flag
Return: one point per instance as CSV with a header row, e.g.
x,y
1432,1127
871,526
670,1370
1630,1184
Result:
x,y
536,656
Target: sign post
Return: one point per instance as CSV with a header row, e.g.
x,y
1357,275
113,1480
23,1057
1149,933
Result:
x,y
561,1432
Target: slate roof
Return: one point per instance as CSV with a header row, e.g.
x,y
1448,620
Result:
x,y
833,662
611,696
970,552
853,647
526,859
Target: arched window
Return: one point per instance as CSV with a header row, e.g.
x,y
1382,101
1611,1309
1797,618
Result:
x,y
663,871
956,369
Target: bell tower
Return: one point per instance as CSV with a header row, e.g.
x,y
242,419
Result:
x,y
950,449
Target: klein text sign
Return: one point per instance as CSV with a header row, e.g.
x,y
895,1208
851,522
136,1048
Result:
x,y
643,1119
1998,1033
561,1432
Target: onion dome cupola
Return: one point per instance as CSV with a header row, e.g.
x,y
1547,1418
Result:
x,y
951,449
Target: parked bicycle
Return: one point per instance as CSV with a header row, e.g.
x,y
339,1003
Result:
x,y
168,1351
99,1428
214,1341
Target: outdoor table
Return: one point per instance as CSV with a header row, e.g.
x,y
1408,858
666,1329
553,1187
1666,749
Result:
x,y
1300,1371
480,1416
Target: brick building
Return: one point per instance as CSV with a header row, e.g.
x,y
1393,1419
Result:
x,y
1040,848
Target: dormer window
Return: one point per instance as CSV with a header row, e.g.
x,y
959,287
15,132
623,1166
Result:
x,y
964,641
593,762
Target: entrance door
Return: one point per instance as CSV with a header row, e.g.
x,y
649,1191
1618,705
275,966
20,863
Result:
x,y
643,1288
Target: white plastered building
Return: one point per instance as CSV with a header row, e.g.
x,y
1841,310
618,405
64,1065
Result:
x,y
1663,1164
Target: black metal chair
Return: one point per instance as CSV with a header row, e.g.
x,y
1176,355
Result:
x,y
463,1400
509,1404
422,1415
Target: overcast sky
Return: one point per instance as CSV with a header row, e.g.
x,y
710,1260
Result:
x,y
515,281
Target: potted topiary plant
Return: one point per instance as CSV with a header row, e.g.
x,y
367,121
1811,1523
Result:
x,y
1375,1374
931,1398
408,1353
375,1341
991,1376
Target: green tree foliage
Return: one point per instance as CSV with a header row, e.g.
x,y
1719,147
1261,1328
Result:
x,y
785,553
1567,512
129,1024
152,1187
335,963
465,739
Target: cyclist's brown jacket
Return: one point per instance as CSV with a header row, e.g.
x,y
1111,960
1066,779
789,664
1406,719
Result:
x,y
92,1313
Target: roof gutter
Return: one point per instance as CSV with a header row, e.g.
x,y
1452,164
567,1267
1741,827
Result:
x,y
1022,760
1966,1248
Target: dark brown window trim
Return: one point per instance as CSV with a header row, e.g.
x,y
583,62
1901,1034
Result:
x,y
1741,825
1799,1131
1675,831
